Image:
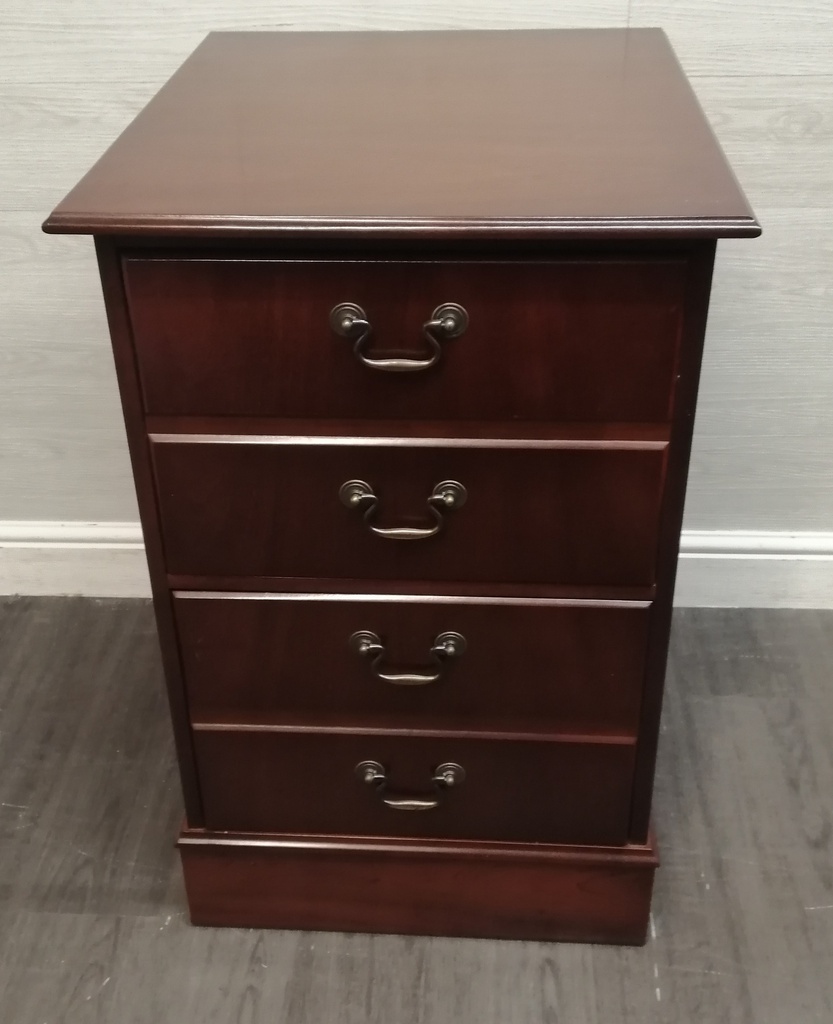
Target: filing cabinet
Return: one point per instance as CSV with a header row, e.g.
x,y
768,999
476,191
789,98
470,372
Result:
x,y
408,329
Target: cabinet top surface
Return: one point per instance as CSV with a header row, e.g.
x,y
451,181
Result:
x,y
520,134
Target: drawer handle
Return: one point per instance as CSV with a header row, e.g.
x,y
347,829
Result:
x,y
446,496
445,776
369,645
447,321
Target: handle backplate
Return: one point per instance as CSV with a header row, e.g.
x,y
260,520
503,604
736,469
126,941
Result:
x,y
446,496
349,320
445,776
446,645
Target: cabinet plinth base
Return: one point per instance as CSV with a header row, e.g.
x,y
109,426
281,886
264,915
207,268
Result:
x,y
411,887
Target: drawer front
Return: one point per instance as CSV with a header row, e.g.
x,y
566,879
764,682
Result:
x,y
524,790
594,339
529,664
573,516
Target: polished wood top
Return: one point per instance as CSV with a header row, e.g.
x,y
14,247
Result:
x,y
518,134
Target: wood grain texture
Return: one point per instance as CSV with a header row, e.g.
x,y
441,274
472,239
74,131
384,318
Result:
x,y
94,925
509,165
523,790
670,524
565,894
766,124
561,516
140,457
283,659
591,336
415,433
578,517
253,588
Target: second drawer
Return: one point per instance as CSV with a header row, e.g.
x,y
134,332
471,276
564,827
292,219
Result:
x,y
473,663
528,513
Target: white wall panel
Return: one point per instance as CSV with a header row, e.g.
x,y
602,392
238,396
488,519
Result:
x,y
74,72
744,37
778,134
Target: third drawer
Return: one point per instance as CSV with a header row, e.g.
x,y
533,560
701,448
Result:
x,y
459,662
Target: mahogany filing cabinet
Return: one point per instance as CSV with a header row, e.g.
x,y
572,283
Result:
x,y
407,328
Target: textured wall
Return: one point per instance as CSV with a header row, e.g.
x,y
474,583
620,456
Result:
x,y
74,72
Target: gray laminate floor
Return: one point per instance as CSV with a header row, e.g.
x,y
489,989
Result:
x,y
92,922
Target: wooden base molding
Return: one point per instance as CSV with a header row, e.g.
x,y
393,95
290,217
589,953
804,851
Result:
x,y
496,890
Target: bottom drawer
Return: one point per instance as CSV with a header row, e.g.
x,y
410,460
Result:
x,y
526,790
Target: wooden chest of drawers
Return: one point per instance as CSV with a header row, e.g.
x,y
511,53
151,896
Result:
x,y
408,330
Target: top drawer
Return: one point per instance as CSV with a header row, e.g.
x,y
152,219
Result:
x,y
589,339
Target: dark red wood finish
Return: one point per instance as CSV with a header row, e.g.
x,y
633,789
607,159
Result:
x,y
697,306
570,894
534,665
566,189
532,515
592,339
516,134
120,334
625,441
422,433
525,790
237,585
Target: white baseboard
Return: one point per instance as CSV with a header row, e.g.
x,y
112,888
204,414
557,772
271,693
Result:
x,y
747,569
718,569
94,559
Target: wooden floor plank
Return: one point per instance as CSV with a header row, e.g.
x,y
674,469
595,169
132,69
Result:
x,y
93,925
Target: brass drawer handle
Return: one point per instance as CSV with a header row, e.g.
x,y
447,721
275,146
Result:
x,y
447,321
446,496
369,645
445,776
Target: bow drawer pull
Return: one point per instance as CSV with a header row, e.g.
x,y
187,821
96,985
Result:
x,y
350,321
369,645
445,776
445,497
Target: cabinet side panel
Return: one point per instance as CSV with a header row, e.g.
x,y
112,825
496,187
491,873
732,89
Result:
x,y
107,252
696,311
